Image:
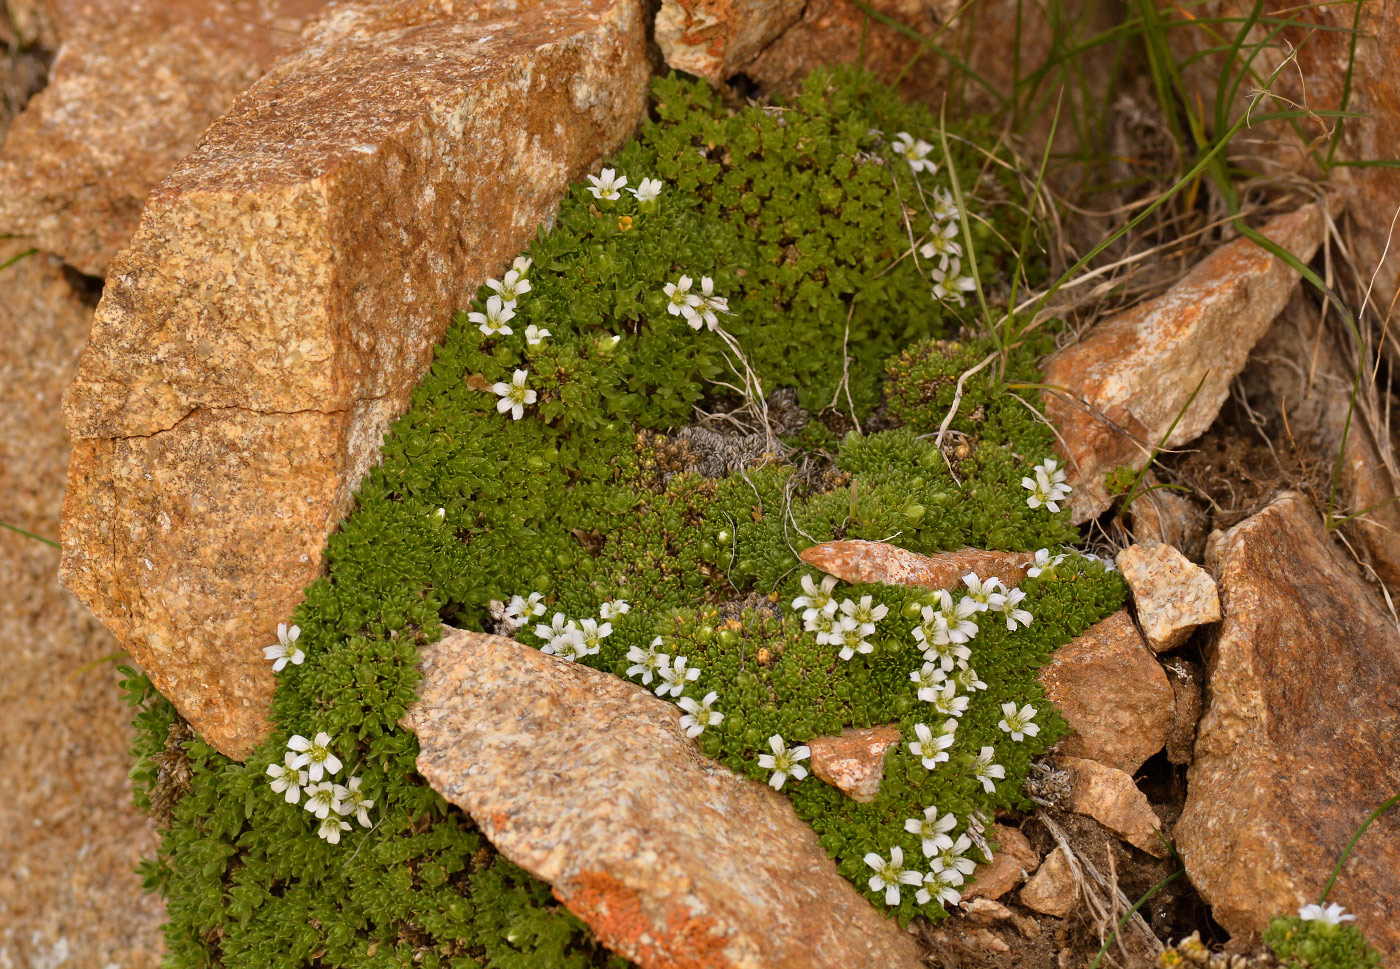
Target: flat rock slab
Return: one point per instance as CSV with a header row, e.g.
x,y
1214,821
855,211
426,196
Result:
x,y
1298,743
589,783
858,560
854,761
1132,377
1113,692
1173,595
295,273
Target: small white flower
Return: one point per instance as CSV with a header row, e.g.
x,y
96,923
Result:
x,y
957,619
288,777
783,762
562,638
928,680
835,630
591,636
675,675
498,314
535,335
986,772
680,301
1050,467
314,755
951,864
329,829
357,802
866,614
968,679
944,207
324,798
709,305
816,599
514,395
1331,915
1019,723
943,893
699,715
614,608
285,650
521,264
915,151
984,595
932,830
648,190
520,609
1048,487
947,701
646,663
608,185
889,875
1044,561
949,284
511,288
1014,614
932,749
942,245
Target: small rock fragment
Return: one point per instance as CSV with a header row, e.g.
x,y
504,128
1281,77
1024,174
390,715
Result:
x,y
854,762
1167,516
1110,797
984,911
1185,678
1113,693
1053,890
1173,595
862,561
987,942
694,866
1012,862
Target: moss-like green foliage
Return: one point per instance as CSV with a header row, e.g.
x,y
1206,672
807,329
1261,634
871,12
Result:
x,y
804,218
1314,944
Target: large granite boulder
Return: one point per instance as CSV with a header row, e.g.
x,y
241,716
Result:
x,y
283,294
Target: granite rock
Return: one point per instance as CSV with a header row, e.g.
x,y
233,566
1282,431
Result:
x,y
715,39
134,84
1053,889
295,272
1132,376
1173,596
1168,516
862,561
1012,862
691,866
1296,746
1113,692
854,762
1110,797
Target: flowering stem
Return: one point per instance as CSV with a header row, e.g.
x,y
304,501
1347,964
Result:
x,y
1346,852
1129,914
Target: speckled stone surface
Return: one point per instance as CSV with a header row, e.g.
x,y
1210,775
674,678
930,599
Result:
x,y
1113,692
861,561
1013,860
1134,374
1172,594
854,761
588,782
284,293
716,38
1298,743
1110,797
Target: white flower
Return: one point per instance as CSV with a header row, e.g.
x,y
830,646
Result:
x,y
325,797
521,264
710,304
1019,723
984,595
520,609
562,638
943,244
648,190
931,749
944,207
699,715
950,863
866,614
816,599
1044,561
1048,487
514,395
950,284
889,875
608,185
498,314
849,650
314,755
287,776
1014,614
682,302
986,772
330,828
967,679
675,675
932,830
614,608
1331,915
357,802
1050,467
285,650
957,619
835,630
511,288
591,636
928,680
943,892
947,701
647,662
535,335
783,762
915,151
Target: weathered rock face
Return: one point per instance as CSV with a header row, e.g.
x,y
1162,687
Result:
x,y
1112,692
694,866
1296,745
1110,797
861,561
1173,596
1133,375
854,762
134,84
714,39
1170,518
1011,864
295,272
